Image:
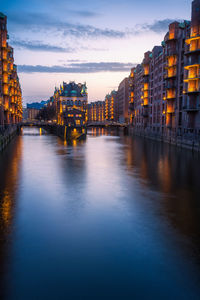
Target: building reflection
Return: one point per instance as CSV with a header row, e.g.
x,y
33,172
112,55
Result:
x,y
10,164
107,131
173,173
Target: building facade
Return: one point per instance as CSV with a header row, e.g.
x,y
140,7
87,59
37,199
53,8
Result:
x,y
123,101
111,107
96,112
164,89
191,101
69,99
10,90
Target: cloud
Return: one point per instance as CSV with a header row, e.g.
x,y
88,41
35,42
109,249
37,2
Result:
x,y
158,26
43,22
93,67
39,22
38,46
84,13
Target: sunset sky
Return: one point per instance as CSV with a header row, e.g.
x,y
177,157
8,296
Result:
x,y
93,41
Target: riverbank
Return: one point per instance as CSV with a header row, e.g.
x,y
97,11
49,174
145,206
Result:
x,y
7,133
186,141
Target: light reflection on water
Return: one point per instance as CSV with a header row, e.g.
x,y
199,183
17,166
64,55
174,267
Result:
x,y
111,217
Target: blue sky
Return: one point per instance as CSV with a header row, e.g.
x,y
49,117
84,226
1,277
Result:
x,y
92,41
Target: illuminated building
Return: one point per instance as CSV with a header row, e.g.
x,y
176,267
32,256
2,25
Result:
x,y
123,101
111,107
69,99
10,90
131,110
96,111
164,90
192,73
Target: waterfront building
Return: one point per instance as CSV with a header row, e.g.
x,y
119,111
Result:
x,y
69,99
123,101
111,107
131,110
96,112
191,103
164,90
33,113
10,90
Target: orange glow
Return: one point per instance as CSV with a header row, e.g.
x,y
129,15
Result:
x,y
172,60
146,86
5,89
193,38
146,94
146,101
146,69
193,86
170,108
172,71
171,93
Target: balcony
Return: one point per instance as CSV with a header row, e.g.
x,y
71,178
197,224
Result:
x,y
192,38
191,108
170,76
194,63
171,97
190,52
188,79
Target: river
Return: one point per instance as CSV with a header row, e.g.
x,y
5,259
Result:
x,y
112,217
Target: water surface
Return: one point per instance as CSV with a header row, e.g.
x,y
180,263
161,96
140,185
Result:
x,y
112,217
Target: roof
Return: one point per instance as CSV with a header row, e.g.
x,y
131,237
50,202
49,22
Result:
x,y
2,16
73,89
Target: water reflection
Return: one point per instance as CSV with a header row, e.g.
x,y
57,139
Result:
x,y
174,173
111,217
10,165
98,131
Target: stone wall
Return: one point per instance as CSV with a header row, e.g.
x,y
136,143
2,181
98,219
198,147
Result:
x,y
6,134
187,141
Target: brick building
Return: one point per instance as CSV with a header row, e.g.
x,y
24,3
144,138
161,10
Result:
x,y
164,89
10,90
96,112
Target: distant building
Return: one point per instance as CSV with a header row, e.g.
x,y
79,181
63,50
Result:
x,y
10,90
123,101
71,97
96,111
37,105
25,113
33,113
111,107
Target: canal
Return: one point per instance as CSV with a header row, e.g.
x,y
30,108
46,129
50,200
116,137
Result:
x,y
112,217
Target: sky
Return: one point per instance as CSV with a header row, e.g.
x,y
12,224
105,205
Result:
x,y
92,41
